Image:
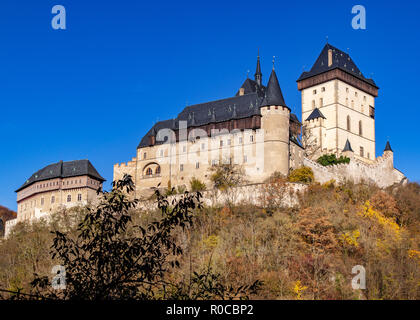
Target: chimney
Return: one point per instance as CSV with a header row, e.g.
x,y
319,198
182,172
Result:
x,y
241,91
330,59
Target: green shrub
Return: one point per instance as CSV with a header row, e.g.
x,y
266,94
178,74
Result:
x,y
303,174
197,185
329,159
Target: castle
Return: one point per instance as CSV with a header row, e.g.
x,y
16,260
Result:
x,y
256,128
58,185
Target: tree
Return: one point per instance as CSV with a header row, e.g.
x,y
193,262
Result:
x,y
113,259
310,143
226,177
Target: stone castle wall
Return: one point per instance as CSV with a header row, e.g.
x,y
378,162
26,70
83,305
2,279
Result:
x,y
380,172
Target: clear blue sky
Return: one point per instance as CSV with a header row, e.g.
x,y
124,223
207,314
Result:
x,y
93,90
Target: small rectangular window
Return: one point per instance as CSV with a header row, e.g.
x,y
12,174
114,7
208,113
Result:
x,y
197,165
79,197
323,89
221,143
144,155
181,167
372,112
362,152
251,138
314,92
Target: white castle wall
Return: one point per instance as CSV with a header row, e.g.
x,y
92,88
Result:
x,y
380,172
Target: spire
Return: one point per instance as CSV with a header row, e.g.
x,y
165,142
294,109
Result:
x,y
273,94
213,116
347,146
234,115
258,74
388,147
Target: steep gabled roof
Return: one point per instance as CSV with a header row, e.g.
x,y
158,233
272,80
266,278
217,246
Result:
x,y
340,60
347,146
251,86
315,114
237,107
273,95
63,170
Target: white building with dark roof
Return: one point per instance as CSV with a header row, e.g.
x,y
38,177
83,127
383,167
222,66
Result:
x,y
58,185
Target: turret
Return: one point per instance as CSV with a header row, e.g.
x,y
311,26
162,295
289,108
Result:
x,y
348,151
275,123
389,154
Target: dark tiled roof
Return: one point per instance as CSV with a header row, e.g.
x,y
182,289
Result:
x,y
273,95
347,146
63,170
388,146
315,115
294,118
251,86
210,112
340,60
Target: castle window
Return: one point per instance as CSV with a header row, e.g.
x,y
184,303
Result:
x,y
240,139
221,143
52,199
197,165
368,155
213,162
323,89
362,108
144,155
314,92
348,123
268,108
228,142
347,90
362,152
360,128
69,198
42,201
372,112
181,167
364,98
321,102
347,102
251,138
157,171
355,94
149,172
79,197
313,104
245,159
352,104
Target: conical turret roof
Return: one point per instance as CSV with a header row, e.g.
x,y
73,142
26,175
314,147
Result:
x,y
273,95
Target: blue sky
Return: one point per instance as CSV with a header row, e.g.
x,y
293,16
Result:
x,y
93,90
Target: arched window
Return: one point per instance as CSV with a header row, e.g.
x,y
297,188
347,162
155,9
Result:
x,y
360,128
348,123
157,171
149,171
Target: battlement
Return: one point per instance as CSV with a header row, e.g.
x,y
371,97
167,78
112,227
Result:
x,y
381,172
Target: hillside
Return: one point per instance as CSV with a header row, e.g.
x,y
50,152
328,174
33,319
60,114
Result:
x,y
5,214
305,252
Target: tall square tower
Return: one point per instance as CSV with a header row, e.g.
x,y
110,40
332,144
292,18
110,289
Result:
x,y
338,104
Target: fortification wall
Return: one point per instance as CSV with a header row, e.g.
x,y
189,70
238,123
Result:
x,y
250,194
380,172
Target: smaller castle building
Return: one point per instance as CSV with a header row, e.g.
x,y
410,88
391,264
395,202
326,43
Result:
x,y
58,185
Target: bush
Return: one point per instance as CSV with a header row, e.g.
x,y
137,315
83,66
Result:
x,y
303,174
330,159
197,185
